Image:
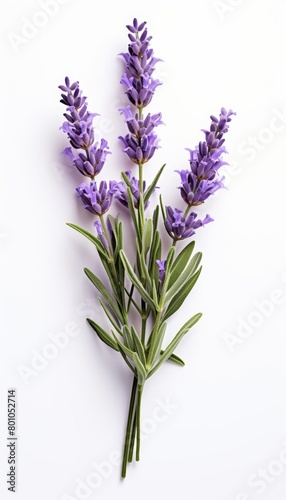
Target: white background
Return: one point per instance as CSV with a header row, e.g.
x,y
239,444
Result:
x,y
226,425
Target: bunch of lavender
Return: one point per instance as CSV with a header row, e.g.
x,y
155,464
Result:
x,y
153,287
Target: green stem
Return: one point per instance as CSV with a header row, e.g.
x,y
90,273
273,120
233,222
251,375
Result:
x,y
187,211
132,441
138,418
141,177
128,434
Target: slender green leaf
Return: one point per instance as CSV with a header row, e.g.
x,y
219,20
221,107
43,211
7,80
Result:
x,y
105,293
169,259
114,282
180,297
155,345
163,209
126,180
124,348
180,263
147,236
153,256
134,279
155,219
153,184
140,369
185,275
133,212
173,344
128,339
139,348
102,334
142,267
175,359
96,241
126,359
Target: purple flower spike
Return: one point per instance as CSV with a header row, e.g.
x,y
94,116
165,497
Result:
x,y
96,200
202,180
206,159
180,227
141,143
79,129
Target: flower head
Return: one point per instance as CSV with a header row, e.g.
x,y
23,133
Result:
x,y
202,180
206,159
79,129
96,200
180,227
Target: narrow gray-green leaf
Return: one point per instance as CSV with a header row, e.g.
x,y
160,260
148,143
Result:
x,y
124,351
163,209
185,275
180,263
108,314
180,297
155,219
155,345
102,334
126,359
140,369
175,359
133,212
174,343
96,241
139,348
153,184
105,293
135,280
128,338
147,236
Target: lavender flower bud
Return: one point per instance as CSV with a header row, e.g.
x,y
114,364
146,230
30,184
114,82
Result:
x,y
161,270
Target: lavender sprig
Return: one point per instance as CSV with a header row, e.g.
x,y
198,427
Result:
x,y
149,290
